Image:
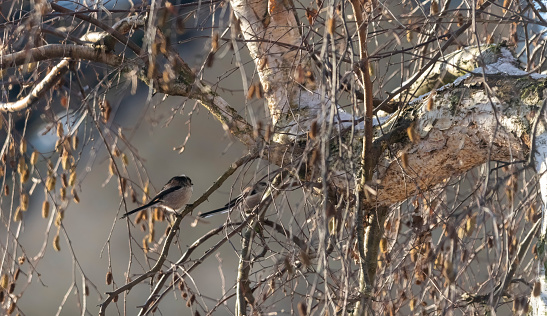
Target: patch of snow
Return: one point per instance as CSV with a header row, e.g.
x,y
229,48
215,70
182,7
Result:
x,y
505,64
537,76
460,79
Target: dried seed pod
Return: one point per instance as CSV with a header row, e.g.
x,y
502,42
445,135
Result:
x,y
72,178
2,296
17,216
151,234
24,201
158,214
430,102
64,101
57,242
65,160
409,36
109,278
412,304
258,90
62,193
11,308
75,142
404,160
24,176
383,245
21,165
302,308
60,130
314,130
4,281
75,196
145,245
11,149
64,180
214,42
122,185
105,107
470,225
412,134
125,160
59,218
45,209
413,254
115,298
434,9
23,147
331,23
250,92
34,157
506,4
6,190
112,168
86,290
21,260
50,183
146,190
141,216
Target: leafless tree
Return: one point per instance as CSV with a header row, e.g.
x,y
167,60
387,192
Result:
x,y
403,143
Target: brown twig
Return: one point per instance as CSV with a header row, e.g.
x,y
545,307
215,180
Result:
x,y
365,281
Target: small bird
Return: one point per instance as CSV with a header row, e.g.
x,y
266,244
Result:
x,y
173,196
249,198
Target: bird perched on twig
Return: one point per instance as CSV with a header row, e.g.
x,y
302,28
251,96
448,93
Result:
x,y
249,198
173,196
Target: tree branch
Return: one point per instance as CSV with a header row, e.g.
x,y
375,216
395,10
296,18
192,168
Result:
x,y
116,31
52,51
39,89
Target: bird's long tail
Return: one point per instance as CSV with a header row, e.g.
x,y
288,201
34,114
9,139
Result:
x,y
218,210
138,209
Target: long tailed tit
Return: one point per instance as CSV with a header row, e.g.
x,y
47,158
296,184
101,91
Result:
x,y
249,198
173,196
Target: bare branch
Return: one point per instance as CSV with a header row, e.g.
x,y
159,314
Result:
x,y
38,91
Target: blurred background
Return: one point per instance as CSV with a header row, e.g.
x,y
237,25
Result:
x,y
156,128
152,138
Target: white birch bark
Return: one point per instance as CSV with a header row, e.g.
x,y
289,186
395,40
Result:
x,y
539,303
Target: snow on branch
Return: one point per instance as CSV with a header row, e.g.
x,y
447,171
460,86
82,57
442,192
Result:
x,y
484,115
